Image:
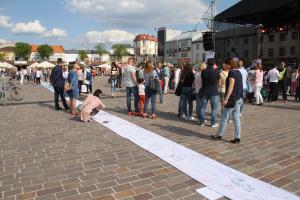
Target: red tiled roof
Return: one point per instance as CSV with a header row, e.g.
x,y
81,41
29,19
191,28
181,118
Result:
x,y
56,48
142,37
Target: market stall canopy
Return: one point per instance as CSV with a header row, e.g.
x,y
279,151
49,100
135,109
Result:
x,y
45,65
265,12
6,65
33,65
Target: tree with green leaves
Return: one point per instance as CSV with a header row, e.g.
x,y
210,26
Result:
x,y
45,51
83,55
101,50
120,50
23,50
3,56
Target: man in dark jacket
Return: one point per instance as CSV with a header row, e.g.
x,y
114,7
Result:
x,y
210,79
58,82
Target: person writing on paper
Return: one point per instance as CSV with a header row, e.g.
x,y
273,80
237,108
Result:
x,y
74,92
91,102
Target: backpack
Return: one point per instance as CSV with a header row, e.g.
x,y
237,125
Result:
x,y
138,75
154,84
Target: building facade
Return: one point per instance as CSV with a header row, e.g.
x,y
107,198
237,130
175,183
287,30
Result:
x,y
145,45
198,52
58,52
164,35
248,43
180,48
9,51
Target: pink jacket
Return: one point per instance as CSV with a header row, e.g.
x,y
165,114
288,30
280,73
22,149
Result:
x,y
259,77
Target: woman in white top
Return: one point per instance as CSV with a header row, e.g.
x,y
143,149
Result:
x,y
38,76
198,85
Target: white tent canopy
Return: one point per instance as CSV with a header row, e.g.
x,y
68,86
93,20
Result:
x,y
104,66
45,65
33,65
6,65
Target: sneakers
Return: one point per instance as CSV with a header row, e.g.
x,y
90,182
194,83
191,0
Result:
x,y
215,125
202,125
191,118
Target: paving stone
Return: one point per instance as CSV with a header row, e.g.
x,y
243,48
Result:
x,y
70,159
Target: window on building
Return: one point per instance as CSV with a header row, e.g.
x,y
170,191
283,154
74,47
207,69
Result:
x,y
271,38
228,43
197,46
184,43
246,40
295,35
184,55
293,51
228,54
271,52
246,54
282,37
197,57
281,51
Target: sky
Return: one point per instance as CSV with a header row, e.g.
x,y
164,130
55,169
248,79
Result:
x,y
72,23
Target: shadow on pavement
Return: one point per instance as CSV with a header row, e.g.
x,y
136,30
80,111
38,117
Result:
x,y
28,103
182,131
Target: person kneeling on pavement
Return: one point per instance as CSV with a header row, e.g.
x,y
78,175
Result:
x,y
91,104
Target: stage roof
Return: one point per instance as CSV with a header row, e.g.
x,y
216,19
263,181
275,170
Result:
x,y
265,12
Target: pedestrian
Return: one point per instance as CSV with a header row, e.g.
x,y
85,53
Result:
x,y
294,80
272,78
38,76
58,82
187,79
113,78
142,96
131,87
210,80
222,83
45,74
259,78
74,91
120,75
177,82
198,86
232,102
91,102
283,81
158,70
22,74
80,73
245,79
151,79
166,77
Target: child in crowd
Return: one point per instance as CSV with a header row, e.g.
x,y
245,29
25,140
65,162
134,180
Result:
x,y
141,96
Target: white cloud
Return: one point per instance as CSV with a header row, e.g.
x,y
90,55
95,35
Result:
x,y
109,36
140,13
5,21
55,32
3,41
34,27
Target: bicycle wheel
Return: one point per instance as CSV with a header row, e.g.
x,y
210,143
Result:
x,y
16,93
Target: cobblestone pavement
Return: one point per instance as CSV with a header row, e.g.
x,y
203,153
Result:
x,y
46,154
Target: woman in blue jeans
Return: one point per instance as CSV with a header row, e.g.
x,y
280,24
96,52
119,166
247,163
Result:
x,y
113,78
187,78
149,74
232,102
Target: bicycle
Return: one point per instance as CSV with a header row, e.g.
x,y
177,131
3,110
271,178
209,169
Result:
x,y
9,87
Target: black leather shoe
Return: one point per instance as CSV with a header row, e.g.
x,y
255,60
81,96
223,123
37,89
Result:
x,y
59,108
216,137
235,140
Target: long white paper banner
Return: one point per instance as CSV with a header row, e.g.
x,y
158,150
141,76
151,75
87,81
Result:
x,y
214,175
